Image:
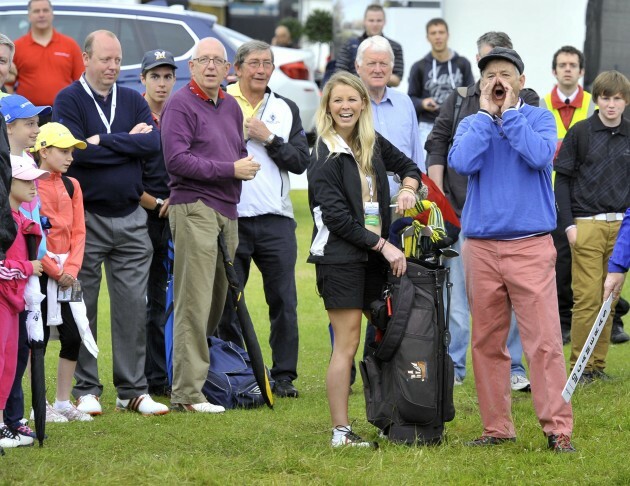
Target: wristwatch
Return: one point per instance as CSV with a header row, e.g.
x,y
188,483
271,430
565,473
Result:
x,y
158,203
269,140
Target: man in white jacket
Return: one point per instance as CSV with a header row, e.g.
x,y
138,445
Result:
x,y
266,228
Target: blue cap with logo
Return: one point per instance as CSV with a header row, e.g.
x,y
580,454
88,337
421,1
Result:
x,y
16,106
155,58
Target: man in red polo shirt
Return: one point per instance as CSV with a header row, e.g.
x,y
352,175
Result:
x,y
44,53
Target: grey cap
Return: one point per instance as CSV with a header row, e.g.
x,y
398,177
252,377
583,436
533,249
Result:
x,y
502,53
157,58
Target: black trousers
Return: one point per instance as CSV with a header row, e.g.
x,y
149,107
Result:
x,y
563,277
269,241
155,364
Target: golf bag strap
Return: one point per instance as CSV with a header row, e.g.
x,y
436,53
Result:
x,y
403,303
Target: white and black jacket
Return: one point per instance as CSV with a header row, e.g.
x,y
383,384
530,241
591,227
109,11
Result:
x,y
268,192
336,202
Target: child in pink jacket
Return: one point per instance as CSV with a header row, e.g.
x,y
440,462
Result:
x,y
14,271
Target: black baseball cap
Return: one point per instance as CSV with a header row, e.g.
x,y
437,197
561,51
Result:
x,y
502,53
157,58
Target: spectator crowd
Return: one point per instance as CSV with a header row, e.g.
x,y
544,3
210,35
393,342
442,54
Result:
x,y
95,175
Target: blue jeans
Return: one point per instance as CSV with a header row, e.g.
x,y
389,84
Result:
x,y
14,410
424,129
459,321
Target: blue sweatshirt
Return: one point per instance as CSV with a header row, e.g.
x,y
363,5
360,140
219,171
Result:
x,y
620,260
508,163
110,173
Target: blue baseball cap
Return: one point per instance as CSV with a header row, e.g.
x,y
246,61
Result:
x,y
16,106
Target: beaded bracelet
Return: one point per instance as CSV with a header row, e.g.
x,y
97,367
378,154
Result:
x,y
379,246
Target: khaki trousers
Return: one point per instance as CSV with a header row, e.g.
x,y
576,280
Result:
x,y
594,245
200,288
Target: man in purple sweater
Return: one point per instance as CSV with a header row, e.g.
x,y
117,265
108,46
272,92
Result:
x,y
206,158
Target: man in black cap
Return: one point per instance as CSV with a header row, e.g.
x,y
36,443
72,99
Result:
x,y
506,149
158,77
461,103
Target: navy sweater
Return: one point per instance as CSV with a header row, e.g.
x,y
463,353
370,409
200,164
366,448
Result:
x,y
110,173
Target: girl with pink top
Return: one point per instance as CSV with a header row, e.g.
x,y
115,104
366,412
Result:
x,y
14,273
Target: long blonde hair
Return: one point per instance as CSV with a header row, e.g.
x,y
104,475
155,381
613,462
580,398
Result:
x,y
363,136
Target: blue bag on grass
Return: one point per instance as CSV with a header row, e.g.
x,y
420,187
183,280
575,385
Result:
x,y
231,382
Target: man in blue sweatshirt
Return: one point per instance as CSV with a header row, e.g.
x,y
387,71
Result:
x,y
117,126
506,150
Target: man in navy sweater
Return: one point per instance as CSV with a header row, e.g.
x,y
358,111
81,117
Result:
x,y
116,123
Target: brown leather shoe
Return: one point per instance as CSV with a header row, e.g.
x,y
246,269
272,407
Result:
x,y
560,443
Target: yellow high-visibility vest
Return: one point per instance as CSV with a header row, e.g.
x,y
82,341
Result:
x,y
581,113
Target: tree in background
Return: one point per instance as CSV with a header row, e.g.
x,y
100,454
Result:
x,y
319,28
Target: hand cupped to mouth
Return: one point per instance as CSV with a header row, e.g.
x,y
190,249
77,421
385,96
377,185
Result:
x,y
498,92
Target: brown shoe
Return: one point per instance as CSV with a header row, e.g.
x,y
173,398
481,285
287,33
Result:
x,y
560,443
488,440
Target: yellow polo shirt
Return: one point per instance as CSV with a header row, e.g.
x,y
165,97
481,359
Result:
x,y
249,111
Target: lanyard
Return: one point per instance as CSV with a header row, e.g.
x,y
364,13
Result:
x,y
108,124
450,73
368,179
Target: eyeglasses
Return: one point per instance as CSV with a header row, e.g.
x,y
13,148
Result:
x,y
256,64
205,60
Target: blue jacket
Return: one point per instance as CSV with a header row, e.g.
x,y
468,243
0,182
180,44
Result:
x,y
110,173
620,260
508,162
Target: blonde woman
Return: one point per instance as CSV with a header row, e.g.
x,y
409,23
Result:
x,y
349,202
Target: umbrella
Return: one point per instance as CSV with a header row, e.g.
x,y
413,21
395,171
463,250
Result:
x,y
168,326
35,329
247,326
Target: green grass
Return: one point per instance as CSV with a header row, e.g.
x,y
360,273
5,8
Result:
x,y
290,444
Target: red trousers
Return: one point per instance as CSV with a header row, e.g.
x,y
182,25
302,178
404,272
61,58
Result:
x,y
519,274
8,351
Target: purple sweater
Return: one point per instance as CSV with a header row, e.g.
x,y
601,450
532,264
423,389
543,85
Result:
x,y
201,142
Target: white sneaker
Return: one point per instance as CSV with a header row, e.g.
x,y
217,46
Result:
x,y
349,438
519,383
458,381
203,407
143,404
52,417
89,404
72,414
9,439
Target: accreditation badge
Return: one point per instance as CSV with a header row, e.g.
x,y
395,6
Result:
x,y
372,216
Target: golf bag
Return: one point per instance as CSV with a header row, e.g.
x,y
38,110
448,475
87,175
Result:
x,y
408,377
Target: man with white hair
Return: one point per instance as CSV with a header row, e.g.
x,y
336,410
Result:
x,y
206,159
393,111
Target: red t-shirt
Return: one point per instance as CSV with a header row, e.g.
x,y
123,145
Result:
x,y
44,71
